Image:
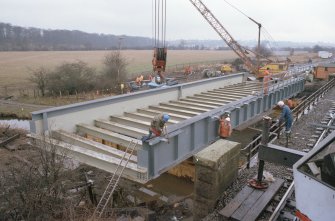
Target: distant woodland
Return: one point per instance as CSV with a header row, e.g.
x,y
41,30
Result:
x,y
16,38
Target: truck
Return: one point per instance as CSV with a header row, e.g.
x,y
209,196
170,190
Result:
x,y
325,54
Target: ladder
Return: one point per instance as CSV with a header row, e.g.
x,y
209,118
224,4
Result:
x,y
106,196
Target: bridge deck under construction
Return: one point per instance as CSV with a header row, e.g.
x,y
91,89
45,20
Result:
x,y
97,132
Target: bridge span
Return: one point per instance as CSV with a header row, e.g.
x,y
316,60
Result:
x,y
97,132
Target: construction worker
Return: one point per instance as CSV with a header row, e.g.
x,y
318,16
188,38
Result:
x,y
161,77
150,77
286,115
139,80
225,129
266,79
188,70
157,126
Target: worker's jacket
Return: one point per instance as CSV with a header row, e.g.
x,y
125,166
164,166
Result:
x,y
286,115
225,128
157,124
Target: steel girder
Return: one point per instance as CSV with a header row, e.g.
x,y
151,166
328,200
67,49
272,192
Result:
x,y
193,134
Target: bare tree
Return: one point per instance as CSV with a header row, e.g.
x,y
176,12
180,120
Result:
x,y
72,77
35,189
115,68
39,77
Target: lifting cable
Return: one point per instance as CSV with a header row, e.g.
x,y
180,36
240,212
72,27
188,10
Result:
x,y
159,23
268,34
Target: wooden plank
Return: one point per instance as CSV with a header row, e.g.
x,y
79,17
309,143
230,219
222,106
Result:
x,y
235,203
247,204
261,203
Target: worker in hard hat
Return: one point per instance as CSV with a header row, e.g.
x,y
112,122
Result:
x,y
139,80
157,126
225,129
286,115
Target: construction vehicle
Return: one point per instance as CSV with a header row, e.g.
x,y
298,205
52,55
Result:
x,y
233,44
273,68
226,68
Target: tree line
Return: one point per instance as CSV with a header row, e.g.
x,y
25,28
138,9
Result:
x,y
16,38
76,77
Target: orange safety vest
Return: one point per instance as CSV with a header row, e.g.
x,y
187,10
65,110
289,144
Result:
x,y
302,216
225,129
156,132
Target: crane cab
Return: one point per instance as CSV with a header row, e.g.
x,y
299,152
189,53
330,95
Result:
x,y
159,59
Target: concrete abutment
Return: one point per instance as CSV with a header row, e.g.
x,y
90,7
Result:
x,y
216,167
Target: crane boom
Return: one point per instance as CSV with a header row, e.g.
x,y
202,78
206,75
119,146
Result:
x,y
218,27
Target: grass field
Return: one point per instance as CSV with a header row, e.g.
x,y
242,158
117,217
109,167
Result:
x,y
14,66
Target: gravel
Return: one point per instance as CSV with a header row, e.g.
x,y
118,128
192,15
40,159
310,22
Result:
x,y
301,133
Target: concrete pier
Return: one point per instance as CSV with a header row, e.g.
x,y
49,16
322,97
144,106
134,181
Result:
x,y
216,167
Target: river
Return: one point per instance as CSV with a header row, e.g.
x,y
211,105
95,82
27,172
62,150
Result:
x,y
15,123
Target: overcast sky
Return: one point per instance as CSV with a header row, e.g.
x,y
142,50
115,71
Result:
x,y
285,20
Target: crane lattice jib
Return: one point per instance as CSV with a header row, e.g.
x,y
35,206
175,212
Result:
x,y
214,22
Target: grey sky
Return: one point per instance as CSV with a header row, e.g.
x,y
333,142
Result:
x,y
285,20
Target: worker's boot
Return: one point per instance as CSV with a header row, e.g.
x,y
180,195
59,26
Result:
x,y
145,138
288,137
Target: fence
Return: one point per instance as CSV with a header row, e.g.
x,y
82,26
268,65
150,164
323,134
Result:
x,y
58,97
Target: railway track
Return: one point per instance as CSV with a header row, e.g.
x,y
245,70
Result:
x,y
303,108
286,206
282,205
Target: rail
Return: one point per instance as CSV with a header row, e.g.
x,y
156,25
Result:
x,y
290,190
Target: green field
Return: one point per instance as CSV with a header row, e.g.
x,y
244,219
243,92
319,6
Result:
x,y
15,66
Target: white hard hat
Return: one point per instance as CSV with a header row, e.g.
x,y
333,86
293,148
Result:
x,y
228,119
280,103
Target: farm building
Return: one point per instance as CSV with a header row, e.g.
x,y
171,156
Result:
x,y
323,71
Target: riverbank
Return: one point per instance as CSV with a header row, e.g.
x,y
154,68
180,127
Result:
x,y
18,110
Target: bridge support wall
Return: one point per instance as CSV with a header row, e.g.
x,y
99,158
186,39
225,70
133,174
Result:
x,y
216,168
